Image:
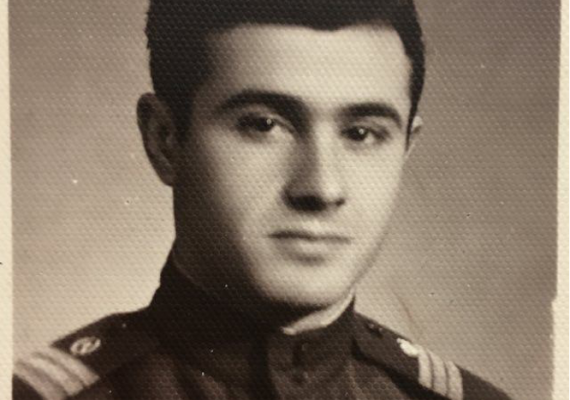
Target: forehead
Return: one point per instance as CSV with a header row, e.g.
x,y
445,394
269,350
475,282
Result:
x,y
350,64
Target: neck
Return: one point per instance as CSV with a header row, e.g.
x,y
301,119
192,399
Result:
x,y
320,318
295,322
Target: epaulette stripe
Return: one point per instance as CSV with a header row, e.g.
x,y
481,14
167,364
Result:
x,y
439,378
455,384
39,381
70,384
71,374
447,377
425,368
72,364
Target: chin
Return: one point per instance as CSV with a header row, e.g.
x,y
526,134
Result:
x,y
301,298
304,287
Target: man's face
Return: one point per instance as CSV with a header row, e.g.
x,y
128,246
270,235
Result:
x,y
291,166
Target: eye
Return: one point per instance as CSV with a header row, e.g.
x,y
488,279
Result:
x,y
262,127
357,134
252,123
363,135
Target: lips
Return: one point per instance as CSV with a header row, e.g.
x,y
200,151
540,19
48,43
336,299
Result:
x,y
310,236
309,246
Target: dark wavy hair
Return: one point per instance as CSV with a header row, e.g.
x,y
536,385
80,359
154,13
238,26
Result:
x,y
177,31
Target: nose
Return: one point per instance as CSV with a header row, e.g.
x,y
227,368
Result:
x,y
316,184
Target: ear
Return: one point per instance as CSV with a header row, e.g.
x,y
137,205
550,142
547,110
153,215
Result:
x,y
415,130
159,136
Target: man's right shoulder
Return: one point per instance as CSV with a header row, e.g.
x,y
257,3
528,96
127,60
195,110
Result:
x,y
80,363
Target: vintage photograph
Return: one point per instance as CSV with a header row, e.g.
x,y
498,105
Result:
x,y
294,199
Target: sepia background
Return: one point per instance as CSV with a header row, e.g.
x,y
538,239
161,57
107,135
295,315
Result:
x,y
469,267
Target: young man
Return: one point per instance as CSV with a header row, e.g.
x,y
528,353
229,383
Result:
x,y
282,128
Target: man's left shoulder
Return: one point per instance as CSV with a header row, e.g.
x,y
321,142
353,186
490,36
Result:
x,y
418,367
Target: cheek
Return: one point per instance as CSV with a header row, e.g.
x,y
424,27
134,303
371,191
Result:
x,y
246,180
374,188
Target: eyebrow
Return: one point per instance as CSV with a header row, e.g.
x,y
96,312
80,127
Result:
x,y
285,105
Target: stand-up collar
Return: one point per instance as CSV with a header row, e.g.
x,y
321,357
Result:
x,y
238,349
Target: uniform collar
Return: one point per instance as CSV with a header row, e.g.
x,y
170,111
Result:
x,y
227,344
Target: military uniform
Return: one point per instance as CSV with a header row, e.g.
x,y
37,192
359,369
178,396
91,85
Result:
x,y
186,345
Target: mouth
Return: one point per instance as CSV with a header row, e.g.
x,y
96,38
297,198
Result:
x,y
308,246
310,236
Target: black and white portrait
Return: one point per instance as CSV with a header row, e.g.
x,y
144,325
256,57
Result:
x,y
262,199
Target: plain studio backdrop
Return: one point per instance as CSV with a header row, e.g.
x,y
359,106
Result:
x,y
469,267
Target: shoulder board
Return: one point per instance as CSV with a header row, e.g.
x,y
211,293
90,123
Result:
x,y
395,353
82,359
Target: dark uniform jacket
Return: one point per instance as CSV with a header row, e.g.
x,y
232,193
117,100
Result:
x,y
186,345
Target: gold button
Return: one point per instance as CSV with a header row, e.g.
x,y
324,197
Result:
x,y
301,377
85,346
